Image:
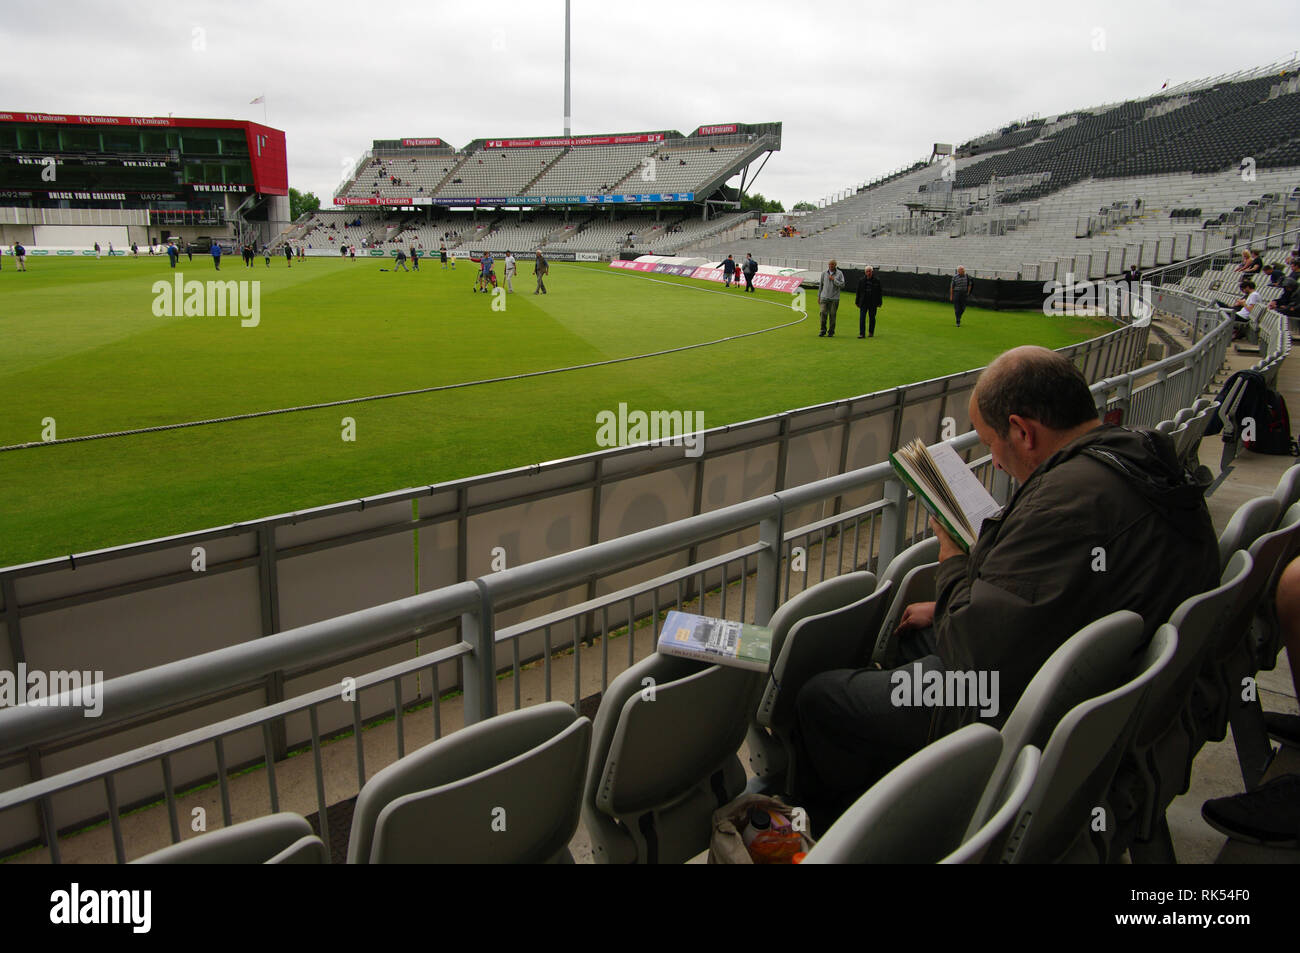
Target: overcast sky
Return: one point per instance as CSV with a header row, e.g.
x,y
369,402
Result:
x,y
862,88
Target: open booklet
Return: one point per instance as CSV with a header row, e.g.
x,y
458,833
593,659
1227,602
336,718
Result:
x,y
945,485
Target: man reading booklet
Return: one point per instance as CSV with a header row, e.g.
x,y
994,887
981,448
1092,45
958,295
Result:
x,y
1104,518
946,487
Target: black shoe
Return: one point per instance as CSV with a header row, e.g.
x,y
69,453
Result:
x,y
1283,727
1269,815
862,337
822,335
831,335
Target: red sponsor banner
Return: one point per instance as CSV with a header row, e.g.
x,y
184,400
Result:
x,y
163,121
422,142
787,283
716,130
372,200
767,282
572,141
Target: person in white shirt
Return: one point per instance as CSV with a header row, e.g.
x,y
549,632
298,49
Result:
x,y
510,272
1244,305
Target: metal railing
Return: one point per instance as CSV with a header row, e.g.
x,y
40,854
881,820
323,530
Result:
x,y
758,548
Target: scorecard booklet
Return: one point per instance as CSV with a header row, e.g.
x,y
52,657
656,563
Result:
x,y
947,488
719,641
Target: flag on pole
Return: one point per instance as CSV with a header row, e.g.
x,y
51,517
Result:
x,y
259,99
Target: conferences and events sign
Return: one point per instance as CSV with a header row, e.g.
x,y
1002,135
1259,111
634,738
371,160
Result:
x,y
768,278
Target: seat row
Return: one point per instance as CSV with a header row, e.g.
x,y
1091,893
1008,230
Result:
x,y
1084,767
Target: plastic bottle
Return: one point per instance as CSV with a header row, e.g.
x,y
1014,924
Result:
x,y
759,822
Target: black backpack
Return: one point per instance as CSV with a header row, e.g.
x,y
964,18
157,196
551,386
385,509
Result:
x,y
1267,408
1273,433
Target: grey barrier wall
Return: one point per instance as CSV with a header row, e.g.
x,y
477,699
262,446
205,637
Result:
x,y
137,607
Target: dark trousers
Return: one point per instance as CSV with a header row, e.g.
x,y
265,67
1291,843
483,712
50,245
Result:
x,y
848,733
958,306
865,312
749,282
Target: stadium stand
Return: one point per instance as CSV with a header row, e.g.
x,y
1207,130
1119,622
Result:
x,y
648,795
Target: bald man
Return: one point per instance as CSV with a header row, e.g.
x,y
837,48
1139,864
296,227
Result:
x,y
1103,519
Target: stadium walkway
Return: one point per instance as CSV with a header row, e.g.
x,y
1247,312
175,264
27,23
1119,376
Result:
x,y
1216,773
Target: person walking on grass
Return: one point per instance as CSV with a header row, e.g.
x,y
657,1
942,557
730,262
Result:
x,y
869,297
828,297
959,291
540,269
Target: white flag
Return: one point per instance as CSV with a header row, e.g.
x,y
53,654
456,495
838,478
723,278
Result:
x,y
259,99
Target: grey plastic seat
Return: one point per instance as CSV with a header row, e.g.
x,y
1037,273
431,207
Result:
x,y
1183,416
1157,766
1092,662
918,813
913,571
1251,520
839,638
1165,426
1287,493
1188,444
504,790
283,838
1267,635
1080,760
767,755
1237,654
664,758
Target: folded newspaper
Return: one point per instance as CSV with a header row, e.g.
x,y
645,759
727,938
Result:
x,y
719,641
947,488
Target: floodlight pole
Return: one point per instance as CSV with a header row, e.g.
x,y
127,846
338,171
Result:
x,y
567,112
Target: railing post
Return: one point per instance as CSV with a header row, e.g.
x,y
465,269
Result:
x,y
767,594
893,523
479,630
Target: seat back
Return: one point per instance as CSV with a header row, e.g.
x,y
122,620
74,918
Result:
x,y
663,758
919,811
767,755
1190,440
1270,553
1165,426
276,838
1251,520
998,827
1197,622
917,586
1268,628
840,638
306,850
504,790
1090,663
1287,493
1183,416
1079,763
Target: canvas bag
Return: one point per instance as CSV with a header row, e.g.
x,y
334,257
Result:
x,y
726,845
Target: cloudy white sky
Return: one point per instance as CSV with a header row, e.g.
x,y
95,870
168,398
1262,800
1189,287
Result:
x,y
862,87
